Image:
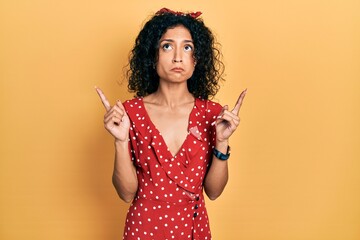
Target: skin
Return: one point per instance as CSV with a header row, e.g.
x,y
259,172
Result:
x,y
169,108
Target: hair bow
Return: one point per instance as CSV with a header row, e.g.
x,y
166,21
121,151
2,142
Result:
x,y
166,10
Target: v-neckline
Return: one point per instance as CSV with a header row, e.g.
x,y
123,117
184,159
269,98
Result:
x,y
189,125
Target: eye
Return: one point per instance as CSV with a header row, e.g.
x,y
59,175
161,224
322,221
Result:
x,y
188,48
167,47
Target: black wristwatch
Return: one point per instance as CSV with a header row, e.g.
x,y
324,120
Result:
x,y
220,155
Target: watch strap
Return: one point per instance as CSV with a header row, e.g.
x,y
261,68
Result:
x,y
221,155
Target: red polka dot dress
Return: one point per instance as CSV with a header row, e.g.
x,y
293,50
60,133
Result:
x,y
169,203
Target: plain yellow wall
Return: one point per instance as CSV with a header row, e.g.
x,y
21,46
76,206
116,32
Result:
x,y
295,164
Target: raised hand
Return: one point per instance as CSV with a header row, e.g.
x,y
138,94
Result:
x,y
116,121
228,121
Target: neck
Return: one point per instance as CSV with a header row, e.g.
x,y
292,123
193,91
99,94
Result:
x,y
172,95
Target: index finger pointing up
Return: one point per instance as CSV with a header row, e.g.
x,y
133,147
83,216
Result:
x,y
239,102
103,99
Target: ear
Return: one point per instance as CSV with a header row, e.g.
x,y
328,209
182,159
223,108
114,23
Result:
x,y
195,61
155,62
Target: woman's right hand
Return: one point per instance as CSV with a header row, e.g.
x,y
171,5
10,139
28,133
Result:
x,y
116,121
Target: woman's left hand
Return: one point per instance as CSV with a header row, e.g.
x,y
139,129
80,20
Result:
x,y
228,121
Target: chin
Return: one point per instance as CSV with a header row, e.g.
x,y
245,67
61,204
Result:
x,y
176,79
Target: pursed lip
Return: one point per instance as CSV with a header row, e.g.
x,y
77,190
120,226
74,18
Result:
x,y
177,69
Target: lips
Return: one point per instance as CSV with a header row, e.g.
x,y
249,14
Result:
x,y
177,69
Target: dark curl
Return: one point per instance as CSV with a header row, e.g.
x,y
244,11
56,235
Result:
x,y
142,75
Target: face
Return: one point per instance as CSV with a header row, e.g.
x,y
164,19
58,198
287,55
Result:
x,y
176,55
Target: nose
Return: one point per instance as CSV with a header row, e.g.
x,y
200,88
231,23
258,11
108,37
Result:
x,y
177,55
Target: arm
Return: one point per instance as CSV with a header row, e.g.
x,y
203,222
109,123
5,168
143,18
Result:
x,y
117,123
218,174
124,176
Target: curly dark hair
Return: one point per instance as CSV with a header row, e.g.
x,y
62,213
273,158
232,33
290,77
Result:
x,y
143,78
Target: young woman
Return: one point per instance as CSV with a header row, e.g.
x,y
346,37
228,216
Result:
x,y
171,141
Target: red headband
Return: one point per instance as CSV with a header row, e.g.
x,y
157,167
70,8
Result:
x,y
166,10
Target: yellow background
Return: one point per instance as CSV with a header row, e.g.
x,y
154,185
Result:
x,y
295,160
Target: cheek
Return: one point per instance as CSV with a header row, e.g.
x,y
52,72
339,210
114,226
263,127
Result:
x,y
191,58
164,57
192,62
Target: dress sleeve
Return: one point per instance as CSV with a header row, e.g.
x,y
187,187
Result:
x,y
132,133
215,109
132,138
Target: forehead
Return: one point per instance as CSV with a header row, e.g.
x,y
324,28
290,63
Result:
x,y
177,32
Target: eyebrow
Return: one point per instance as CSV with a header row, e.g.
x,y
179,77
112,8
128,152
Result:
x,y
171,40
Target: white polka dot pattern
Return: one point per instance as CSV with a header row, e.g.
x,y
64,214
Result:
x,y
169,203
